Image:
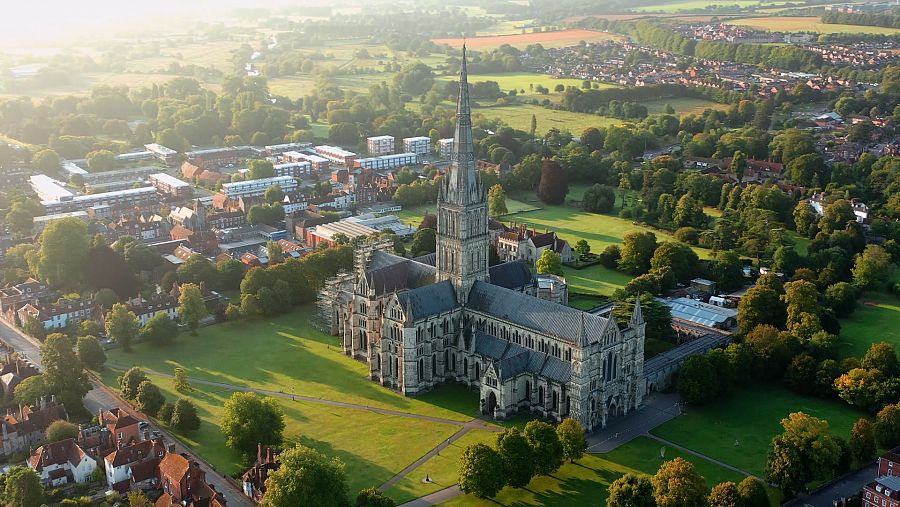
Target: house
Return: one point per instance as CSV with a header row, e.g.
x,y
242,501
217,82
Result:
x,y
882,492
61,463
13,297
124,428
15,369
145,308
26,428
300,223
522,243
134,466
184,484
254,479
59,314
380,145
889,463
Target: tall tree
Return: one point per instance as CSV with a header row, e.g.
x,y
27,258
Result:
x,y
803,453
571,436
149,398
637,250
554,184
373,497
862,441
887,426
517,457
481,471
550,263
184,416
497,201
872,268
160,329
544,441
130,381
61,254
631,490
250,420
122,325
22,488
90,352
753,493
63,372
191,306
677,484
724,494
306,477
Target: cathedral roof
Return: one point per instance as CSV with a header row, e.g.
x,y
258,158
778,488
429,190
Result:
x,y
430,259
405,274
511,360
429,300
552,319
511,275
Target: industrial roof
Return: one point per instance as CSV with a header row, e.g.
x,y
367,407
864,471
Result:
x,y
699,312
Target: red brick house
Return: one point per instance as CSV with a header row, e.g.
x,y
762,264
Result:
x,y
184,484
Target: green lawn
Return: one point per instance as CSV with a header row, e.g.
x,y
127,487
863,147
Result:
x,y
527,81
876,319
413,214
595,279
586,481
751,417
694,5
682,105
441,469
285,353
390,443
518,116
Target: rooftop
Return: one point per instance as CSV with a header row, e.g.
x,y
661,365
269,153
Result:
x,y
699,312
170,180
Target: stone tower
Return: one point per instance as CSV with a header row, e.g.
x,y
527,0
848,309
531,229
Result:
x,y
462,218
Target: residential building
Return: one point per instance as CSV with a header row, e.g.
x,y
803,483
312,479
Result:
x,y
48,189
144,197
59,314
336,155
217,157
41,223
889,463
420,145
184,484
23,429
13,297
12,178
171,186
248,188
445,147
134,466
61,463
167,155
522,243
294,169
279,149
387,161
254,479
882,492
380,145
124,428
319,164
145,309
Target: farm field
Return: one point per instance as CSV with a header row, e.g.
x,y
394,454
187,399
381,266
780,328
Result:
x,y
808,24
724,431
699,5
216,54
547,39
82,84
391,442
586,481
286,353
876,319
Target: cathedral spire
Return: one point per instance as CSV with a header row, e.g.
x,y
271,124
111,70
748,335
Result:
x,y
462,184
637,317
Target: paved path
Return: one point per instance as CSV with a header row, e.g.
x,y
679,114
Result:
x,y
842,487
658,409
435,498
472,424
698,454
102,397
430,454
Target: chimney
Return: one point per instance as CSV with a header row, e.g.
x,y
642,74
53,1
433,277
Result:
x,y
171,448
259,452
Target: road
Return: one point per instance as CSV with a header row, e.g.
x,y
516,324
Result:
x,y
842,487
101,397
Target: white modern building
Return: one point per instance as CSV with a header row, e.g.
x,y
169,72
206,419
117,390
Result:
x,y
388,161
170,185
380,145
49,189
319,164
132,197
419,145
239,189
336,154
445,147
161,152
293,169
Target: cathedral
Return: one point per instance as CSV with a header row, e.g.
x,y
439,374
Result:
x,y
450,317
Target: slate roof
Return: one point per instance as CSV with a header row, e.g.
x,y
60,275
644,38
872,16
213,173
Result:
x,y
511,275
429,300
430,259
563,322
388,273
511,360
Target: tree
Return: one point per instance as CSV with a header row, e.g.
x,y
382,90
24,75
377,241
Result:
x,y
191,306
424,242
62,250
30,390
138,498
841,297
689,213
872,268
599,199
804,217
862,441
550,263
259,169
231,271
197,269
160,329
544,441
250,420
149,398
739,166
724,494
571,436
678,257
274,194
517,457
63,372
130,381
805,169
636,252
60,430
696,380
100,160
677,484
753,493
801,297
184,416
90,352
887,426
182,385
122,325
373,497
46,161
481,471
803,453
867,388
497,201
554,184
631,490
307,477
836,216
761,305
165,412
882,356
22,488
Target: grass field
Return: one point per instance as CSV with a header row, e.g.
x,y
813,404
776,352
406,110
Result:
x,y
391,443
286,353
876,319
547,39
521,80
682,105
586,481
697,5
518,116
595,279
751,417
808,24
